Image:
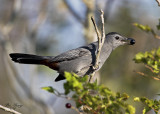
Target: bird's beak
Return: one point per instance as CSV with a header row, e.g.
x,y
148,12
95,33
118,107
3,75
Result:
x,y
129,41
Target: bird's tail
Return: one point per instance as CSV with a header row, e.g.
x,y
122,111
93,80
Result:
x,y
28,58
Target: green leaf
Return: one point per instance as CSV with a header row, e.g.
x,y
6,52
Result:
x,y
66,88
131,109
68,76
49,89
145,28
83,79
137,99
124,96
138,58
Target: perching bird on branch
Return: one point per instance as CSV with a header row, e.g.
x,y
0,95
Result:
x,y
79,60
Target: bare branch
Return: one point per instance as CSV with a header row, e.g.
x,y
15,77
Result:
x,y
101,39
158,1
9,110
73,12
103,30
108,7
96,29
88,25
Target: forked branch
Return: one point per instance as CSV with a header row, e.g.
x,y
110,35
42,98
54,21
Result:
x,y
101,38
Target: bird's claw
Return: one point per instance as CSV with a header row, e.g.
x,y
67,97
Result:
x,y
96,67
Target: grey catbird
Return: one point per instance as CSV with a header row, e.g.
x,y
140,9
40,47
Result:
x,y
79,60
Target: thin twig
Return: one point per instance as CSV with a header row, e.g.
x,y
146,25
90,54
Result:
x,y
101,39
103,30
150,68
99,43
62,95
141,73
158,1
145,75
108,7
9,110
96,28
88,25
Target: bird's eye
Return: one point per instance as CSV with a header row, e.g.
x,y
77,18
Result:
x,y
117,37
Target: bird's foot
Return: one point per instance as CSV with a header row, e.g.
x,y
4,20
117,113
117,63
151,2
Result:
x,y
96,67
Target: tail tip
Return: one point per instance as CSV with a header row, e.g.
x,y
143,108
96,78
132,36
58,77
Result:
x,y
12,55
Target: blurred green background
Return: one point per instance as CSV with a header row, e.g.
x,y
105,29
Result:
x,y
50,27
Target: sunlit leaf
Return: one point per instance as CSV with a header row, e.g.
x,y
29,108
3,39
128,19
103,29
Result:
x,y
49,89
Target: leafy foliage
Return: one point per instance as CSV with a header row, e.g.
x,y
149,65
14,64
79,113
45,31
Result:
x,y
151,59
94,98
97,99
149,104
148,29
145,28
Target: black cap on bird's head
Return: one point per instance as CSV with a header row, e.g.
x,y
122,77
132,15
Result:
x,y
116,39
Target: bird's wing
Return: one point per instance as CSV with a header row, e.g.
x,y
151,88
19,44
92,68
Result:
x,y
75,53
70,55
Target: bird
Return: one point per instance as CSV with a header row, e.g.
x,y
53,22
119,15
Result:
x,y
80,60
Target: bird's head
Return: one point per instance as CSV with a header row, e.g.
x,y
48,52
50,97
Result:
x,y
116,40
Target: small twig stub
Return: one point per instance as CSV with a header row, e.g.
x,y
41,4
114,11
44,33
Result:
x,y
158,1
